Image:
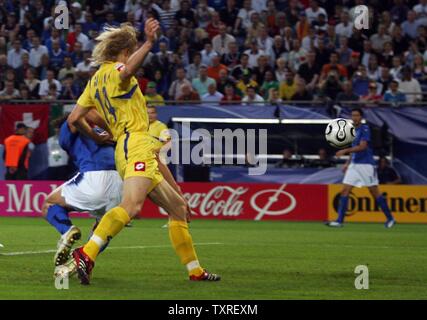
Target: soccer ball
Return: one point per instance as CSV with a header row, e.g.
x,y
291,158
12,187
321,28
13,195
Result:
x,y
340,133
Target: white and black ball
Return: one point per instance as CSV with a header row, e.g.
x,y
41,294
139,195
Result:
x,y
340,133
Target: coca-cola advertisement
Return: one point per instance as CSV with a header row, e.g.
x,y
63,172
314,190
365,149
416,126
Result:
x,y
207,200
251,201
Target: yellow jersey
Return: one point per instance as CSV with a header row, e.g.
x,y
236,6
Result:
x,y
160,131
123,107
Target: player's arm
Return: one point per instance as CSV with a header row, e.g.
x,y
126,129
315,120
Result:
x,y
93,117
363,145
137,58
77,120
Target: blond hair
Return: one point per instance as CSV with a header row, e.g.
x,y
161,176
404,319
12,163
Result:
x,y
112,42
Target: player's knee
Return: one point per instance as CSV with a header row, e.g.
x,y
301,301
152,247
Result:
x,y
133,208
45,208
179,211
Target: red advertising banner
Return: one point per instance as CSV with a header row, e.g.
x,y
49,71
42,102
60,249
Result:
x,y
208,200
250,201
35,116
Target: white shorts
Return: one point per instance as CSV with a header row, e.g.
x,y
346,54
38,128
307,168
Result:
x,y
361,175
94,191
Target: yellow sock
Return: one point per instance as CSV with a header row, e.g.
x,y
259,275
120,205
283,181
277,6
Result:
x,y
183,245
110,225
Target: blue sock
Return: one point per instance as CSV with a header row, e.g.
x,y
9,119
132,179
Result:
x,y
342,208
57,216
384,207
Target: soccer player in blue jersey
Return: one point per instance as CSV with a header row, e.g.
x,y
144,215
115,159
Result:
x,y
96,188
360,171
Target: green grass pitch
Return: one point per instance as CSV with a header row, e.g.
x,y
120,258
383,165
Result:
x,y
257,260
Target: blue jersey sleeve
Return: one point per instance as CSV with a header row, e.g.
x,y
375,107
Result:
x,y
66,137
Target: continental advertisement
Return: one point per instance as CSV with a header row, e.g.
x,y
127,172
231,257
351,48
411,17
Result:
x,y
407,203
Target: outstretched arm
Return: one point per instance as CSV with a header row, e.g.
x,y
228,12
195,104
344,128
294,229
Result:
x,y
137,58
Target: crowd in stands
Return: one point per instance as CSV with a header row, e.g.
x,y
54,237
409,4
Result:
x,y
224,51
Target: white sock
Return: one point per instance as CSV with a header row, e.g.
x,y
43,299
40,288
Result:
x,y
193,265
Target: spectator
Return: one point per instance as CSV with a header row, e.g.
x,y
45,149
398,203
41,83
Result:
x,y
185,15
229,95
410,26
386,173
265,42
232,58
216,68
52,93
83,68
21,71
253,54
69,91
213,27
373,95
378,39
301,93
193,69
77,36
281,68
323,161
344,51
386,56
313,11
223,81
393,95
207,54
278,49
14,55
203,13
419,68
24,93
45,84
400,41
141,79
36,52
354,64
331,86
16,154
288,87
212,95
202,83
333,64
243,68
296,56
347,94
32,83
68,69
288,160
252,96
9,92
384,80
310,71
274,97
244,16
175,89
269,83
188,94
373,70
152,97
57,157
56,56
410,86
221,42
229,14
361,81
345,27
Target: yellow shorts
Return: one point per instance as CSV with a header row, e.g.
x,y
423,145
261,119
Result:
x,y
135,157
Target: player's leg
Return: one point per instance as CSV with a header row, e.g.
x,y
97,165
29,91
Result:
x,y
375,192
166,197
134,193
342,207
55,211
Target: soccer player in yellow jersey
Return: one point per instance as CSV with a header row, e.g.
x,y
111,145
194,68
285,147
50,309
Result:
x,y
113,91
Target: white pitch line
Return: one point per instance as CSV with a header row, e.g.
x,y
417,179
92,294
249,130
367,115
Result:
x,y
22,253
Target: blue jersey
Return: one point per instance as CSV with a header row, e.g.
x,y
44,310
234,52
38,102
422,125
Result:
x,y
363,133
86,154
